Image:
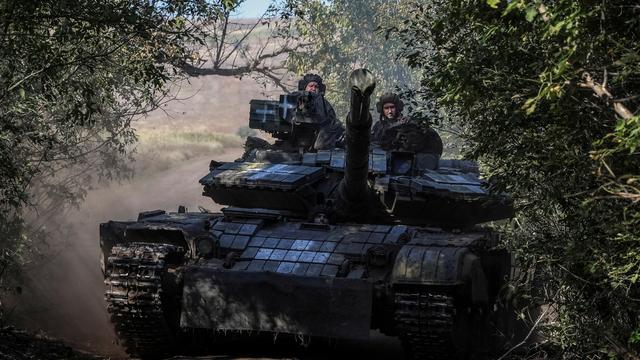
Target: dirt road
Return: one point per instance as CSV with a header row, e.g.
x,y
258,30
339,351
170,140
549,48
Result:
x,y
63,296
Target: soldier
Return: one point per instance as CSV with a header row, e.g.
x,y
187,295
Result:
x,y
396,132
330,130
390,108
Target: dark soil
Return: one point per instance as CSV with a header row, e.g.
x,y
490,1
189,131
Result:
x,y
18,345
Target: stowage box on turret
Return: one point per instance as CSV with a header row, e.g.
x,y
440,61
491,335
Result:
x,y
329,243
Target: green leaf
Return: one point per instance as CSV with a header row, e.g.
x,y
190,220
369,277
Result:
x,y
530,106
512,6
634,338
229,4
493,3
531,14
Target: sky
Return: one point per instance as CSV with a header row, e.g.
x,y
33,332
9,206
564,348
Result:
x,y
252,8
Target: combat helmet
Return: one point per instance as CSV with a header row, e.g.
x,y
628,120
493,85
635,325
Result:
x,y
390,98
307,78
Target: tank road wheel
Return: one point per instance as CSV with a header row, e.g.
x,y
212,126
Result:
x,y
425,324
143,298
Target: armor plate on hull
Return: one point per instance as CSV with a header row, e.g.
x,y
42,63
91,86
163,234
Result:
x,y
274,302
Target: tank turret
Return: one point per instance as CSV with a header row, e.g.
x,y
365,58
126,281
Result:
x,y
358,182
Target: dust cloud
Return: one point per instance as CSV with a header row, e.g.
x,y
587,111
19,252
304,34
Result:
x,y
63,290
63,294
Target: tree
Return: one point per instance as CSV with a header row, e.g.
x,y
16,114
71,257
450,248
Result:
x,y
547,95
227,50
339,36
75,74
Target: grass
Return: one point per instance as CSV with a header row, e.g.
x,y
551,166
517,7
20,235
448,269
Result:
x,y
186,137
159,150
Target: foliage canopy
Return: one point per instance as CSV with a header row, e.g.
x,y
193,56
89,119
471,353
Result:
x,y
73,75
548,95
339,36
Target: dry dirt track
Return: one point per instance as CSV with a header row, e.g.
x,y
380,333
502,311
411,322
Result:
x,y
64,294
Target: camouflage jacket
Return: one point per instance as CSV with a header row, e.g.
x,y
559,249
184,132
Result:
x,y
330,131
378,129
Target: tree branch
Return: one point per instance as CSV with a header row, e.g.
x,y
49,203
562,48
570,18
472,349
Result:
x,y
235,48
192,70
526,338
216,63
276,80
623,352
602,92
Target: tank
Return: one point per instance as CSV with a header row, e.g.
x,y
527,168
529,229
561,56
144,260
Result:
x,y
328,244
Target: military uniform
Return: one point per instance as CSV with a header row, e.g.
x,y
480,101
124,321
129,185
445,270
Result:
x,y
400,133
383,124
330,131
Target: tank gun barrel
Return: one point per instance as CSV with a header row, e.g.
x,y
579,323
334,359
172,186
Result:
x,y
354,185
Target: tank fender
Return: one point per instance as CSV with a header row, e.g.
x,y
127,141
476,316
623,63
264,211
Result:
x,y
120,232
159,233
440,265
111,233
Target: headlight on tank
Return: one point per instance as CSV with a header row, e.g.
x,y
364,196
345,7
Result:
x,y
205,247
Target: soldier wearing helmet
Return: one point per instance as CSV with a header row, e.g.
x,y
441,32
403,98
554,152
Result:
x,y
330,130
396,132
312,83
390,108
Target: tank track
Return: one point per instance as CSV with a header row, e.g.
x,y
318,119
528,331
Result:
x,y
425,324
134,297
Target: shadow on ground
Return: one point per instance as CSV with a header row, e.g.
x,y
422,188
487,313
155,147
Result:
x,y
290,347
